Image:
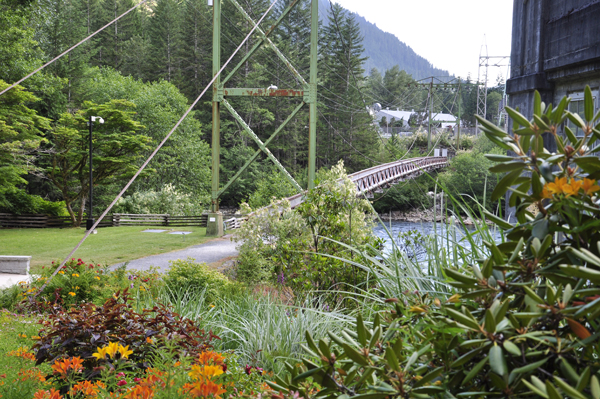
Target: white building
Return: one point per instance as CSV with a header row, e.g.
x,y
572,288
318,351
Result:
x,y
392,116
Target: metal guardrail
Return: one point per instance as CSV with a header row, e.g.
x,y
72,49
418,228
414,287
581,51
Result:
x,y
369,180
384,175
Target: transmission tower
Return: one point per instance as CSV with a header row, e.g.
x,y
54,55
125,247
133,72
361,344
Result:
x,y
485,61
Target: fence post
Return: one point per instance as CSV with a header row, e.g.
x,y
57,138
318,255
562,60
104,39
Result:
x,y
166,218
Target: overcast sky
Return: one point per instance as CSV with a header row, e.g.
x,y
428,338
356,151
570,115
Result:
x,y
448,33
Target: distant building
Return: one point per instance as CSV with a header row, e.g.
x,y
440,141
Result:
x,y
443,120
395,115
556,51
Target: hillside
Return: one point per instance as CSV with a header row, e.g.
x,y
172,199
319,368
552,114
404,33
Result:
x,y
385,50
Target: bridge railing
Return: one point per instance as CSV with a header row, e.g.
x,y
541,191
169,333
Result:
x,y
367,180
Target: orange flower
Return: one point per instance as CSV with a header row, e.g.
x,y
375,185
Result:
x,y
572,188
546,193
62,367
87,388
557,186
590,186
205,389
140,392
205,372
32,374
210,357
51,394
23,353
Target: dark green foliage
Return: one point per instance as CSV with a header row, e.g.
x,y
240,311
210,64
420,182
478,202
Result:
x,y
21,131
18,202
116,146
81,330
406,196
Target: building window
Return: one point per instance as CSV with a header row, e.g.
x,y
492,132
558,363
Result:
x,y
576,106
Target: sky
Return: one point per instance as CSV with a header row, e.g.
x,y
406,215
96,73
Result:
x,y
448,33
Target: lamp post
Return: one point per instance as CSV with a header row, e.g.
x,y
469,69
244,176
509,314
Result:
x,y
90,220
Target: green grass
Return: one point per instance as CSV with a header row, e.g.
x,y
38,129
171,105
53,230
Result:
x,y
111,245
17,331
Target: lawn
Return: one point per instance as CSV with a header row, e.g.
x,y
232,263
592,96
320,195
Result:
x,y
111,245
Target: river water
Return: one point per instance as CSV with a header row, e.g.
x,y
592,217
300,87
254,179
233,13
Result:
x,y
423,233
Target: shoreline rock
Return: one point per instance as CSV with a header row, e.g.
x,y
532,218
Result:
x,y
422,215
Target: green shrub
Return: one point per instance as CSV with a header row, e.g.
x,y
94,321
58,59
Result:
x,y
298,246
79,282
274,185
168,200
19,202
187,275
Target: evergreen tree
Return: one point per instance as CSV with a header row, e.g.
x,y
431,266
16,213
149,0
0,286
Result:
x,y
351,134
114,39
60,26
165,39
196,48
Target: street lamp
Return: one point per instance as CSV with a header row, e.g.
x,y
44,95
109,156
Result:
x,y
90,219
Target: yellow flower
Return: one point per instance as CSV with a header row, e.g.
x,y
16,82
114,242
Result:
x,y
205,372
590,186
97,278
100,354
149,340
557,186
572,188
546,193
211,306
72,293
112,349
61,272
75,275
454,298
77,287
124,351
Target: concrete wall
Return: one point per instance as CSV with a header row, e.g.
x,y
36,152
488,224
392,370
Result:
x,y
555,50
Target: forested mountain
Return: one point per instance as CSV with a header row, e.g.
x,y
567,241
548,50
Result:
x,y
383,50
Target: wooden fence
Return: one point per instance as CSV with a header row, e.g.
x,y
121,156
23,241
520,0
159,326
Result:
x,y
127,219
8,220
38,221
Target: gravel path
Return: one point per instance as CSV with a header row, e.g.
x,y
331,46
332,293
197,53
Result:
x,y
209,252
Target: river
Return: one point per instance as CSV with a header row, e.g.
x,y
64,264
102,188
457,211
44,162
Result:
x,y
420,232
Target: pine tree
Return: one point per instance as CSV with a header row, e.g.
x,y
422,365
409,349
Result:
x,y
196,48
114,38
351,135
165,39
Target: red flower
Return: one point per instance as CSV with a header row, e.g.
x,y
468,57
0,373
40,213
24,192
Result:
x,y
248,369
121,383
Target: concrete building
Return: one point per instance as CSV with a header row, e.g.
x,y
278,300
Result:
x,y
556,51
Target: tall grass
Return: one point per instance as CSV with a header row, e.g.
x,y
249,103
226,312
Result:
x,y
453,245
261,329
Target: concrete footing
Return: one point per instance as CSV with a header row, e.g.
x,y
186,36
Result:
x,y
214,225
14,264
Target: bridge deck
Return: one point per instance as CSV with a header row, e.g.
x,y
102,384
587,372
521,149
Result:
x,y
368,180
